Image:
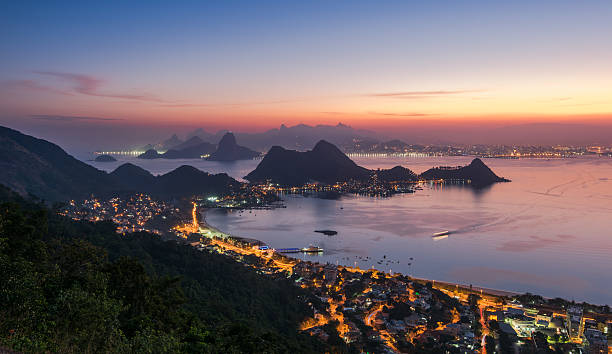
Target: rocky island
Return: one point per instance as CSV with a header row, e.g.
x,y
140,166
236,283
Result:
x,y
477,173
105,158
326,164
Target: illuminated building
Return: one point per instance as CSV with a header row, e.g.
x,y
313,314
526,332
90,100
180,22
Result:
x,y
575,323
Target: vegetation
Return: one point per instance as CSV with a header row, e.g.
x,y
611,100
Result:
x,y
79,287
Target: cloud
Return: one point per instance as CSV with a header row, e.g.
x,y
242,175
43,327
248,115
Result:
x,y
32,86
70,118
420,94
229,104
89,85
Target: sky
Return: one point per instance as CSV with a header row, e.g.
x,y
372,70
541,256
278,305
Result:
x,y
252,65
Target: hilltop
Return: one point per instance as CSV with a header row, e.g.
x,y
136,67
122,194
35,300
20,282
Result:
x,y
32,166
105,158
229,150
325,163
476,172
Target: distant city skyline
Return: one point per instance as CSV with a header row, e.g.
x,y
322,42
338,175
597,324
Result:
x,y
391,67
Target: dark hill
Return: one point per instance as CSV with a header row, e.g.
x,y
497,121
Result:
x,y
397,173
149,155
132,178
34,166
229,150
190,152
40,168
325,163
476,172
187,180
105,158
183,181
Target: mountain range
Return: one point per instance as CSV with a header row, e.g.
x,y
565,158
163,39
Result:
x,y
32,166
196,148
300,137
37,167
182,181
325,163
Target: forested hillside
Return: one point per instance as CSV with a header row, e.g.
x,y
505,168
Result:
x,y
79,287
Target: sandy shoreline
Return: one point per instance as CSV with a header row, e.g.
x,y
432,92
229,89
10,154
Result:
x,y
488,291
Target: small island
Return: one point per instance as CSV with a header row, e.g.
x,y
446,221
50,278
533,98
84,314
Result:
x,y
105,158
327,232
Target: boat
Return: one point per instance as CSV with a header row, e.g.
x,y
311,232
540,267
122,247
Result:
x,y
441,233
312,249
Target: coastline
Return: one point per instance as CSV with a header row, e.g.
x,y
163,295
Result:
x,y
496,293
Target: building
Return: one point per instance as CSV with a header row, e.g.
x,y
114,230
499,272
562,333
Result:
x,y
597,342
574,323
330,274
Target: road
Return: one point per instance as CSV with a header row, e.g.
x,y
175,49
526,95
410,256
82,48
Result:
x,y
369,318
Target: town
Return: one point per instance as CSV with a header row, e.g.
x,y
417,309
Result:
x,y
374,311
397,148
134,213
368,310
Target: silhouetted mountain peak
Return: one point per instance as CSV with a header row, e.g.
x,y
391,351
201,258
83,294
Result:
x,y
38,167
229,150
228,140
129,168
105,158
325,147
477,163
275,150
149,154
477,173
397,173
324,163
185,169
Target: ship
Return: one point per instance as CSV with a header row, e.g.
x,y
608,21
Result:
x,y
312,249
441,233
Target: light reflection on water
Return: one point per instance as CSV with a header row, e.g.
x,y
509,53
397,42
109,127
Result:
x,y
547,232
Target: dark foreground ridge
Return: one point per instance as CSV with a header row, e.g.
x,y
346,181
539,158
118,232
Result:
x,y
32,166
325,163
78,287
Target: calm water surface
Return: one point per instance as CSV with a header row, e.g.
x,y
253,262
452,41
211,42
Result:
x,y
549,231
